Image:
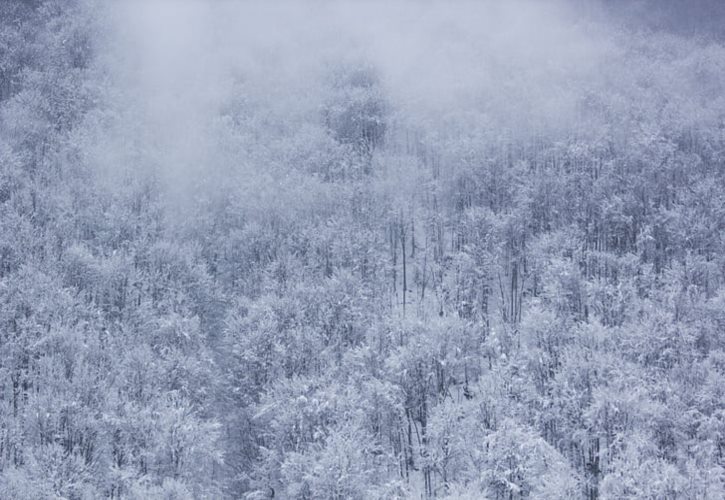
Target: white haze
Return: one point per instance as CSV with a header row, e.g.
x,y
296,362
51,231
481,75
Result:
x,y
177,65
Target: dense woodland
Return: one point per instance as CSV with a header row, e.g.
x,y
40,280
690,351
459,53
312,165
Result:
x,y
402,251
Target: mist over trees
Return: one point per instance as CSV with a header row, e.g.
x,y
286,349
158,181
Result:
x,y
362,250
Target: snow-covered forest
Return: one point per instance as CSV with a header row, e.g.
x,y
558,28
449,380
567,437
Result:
x,y
362,250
